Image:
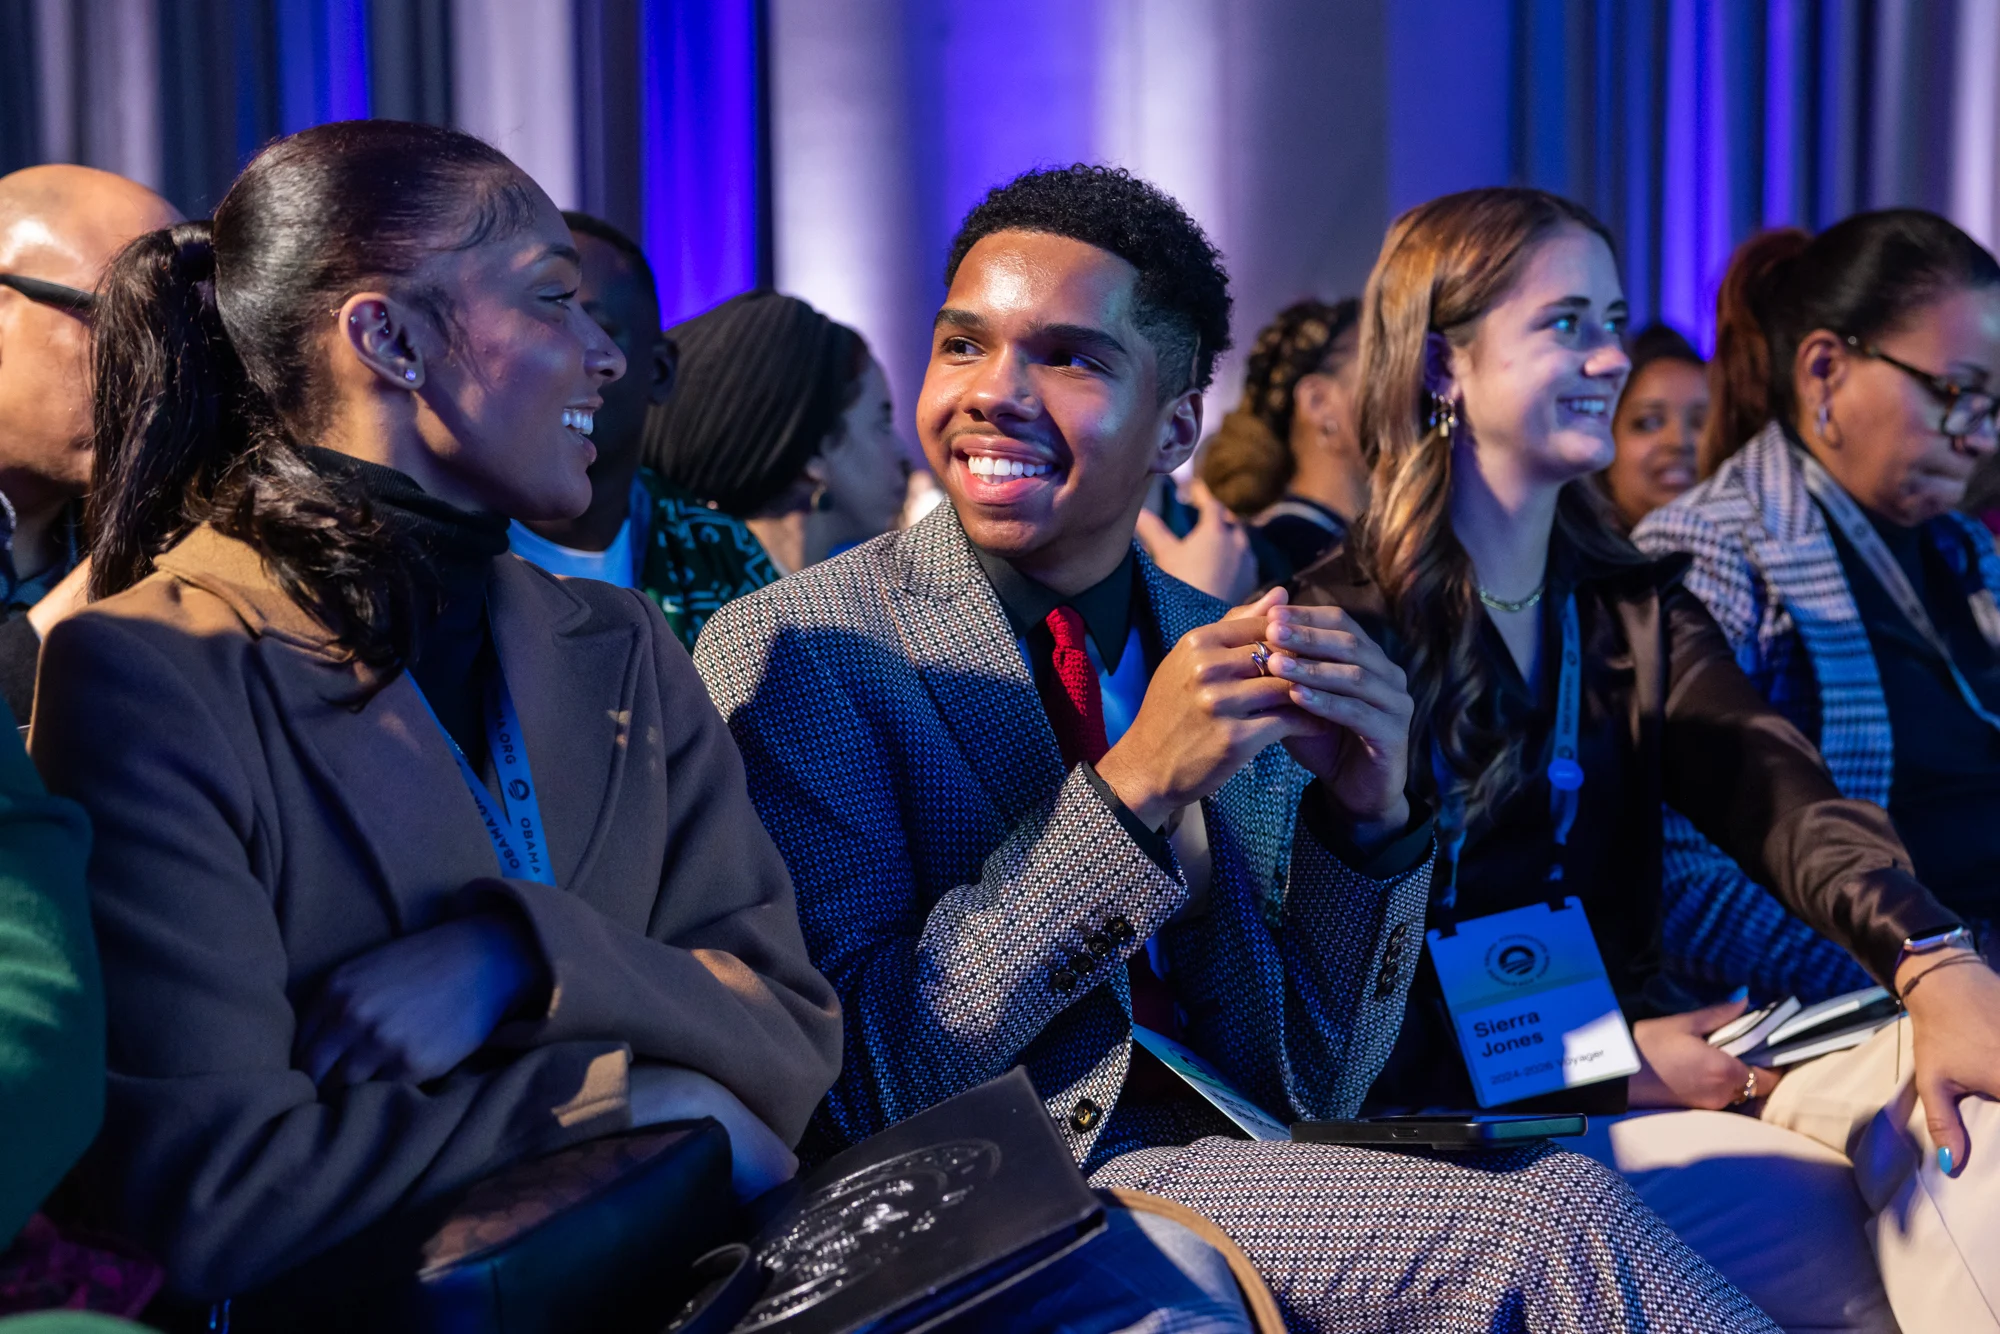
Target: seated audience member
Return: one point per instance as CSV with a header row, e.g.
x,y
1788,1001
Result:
x,y
1657,425
59,226
1030,790
639,532
1289,457
51,1062
782,418
1488,570
347,968
1853,375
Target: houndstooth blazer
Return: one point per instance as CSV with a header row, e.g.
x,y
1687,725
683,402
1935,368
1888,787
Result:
x,y
973,903
1766,566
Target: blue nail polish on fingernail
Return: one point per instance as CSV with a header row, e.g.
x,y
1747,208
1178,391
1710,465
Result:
x,y
1740,994
1944,1159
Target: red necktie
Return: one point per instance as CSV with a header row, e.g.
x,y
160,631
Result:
x,y
1075,705
1071,695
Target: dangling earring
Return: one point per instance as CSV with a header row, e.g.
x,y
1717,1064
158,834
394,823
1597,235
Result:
x,y
1825,414
822,501
1444,415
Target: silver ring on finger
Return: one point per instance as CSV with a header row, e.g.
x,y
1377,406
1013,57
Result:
x,y
1261,655
1749,1088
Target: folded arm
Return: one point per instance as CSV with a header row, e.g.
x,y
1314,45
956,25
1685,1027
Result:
x,y
218,1155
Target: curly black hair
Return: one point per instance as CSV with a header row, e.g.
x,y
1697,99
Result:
x,y
1183,296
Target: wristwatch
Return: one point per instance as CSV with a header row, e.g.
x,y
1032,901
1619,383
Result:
x,y
1931,944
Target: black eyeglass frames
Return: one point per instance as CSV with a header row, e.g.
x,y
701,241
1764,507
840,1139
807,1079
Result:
x,y
1966,411
72,299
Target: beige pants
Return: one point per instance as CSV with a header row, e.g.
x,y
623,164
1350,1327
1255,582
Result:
x,y
1790,1206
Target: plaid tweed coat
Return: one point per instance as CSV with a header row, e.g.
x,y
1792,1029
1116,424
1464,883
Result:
x,y
1765,565
956,879
950,874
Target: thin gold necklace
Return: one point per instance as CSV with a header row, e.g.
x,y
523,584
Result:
x,y
1502,604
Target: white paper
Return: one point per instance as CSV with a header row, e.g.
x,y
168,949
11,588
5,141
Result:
x,y
1206,1080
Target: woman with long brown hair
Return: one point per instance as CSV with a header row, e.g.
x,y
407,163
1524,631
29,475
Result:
x,y
1565,687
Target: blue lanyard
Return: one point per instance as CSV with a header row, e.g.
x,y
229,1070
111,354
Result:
x,y
516,827
1565,771
1867,543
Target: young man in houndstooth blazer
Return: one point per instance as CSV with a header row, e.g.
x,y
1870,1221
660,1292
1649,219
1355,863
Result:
x,y
977,901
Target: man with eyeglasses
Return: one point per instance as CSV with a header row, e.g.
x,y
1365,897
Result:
x,y
59,227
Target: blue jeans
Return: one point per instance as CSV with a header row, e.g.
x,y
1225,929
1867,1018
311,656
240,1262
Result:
x,y
1142,1273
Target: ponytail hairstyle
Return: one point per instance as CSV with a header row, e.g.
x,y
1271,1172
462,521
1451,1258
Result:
x,y
1443,266
209,376
1860,278
1249,464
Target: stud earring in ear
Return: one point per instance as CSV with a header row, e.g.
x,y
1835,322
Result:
x,y
409,375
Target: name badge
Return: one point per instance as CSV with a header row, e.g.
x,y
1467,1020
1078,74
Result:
x,y
1531,1003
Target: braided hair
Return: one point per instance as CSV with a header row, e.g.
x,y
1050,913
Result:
x,y
1249,464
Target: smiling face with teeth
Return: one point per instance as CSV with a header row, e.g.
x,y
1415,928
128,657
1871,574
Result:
x,y
1540,376
1042,412
493,410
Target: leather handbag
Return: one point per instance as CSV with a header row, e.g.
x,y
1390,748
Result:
x,y
914,1227
601,1236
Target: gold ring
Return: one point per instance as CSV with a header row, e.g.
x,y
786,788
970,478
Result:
x,y
1749,1087
1261,655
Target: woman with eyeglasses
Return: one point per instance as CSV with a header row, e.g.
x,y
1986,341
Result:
x,y
1854,383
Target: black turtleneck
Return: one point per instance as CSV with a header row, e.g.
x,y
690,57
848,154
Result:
x,y
452,656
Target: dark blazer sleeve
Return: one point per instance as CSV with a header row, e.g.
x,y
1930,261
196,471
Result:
x,y
217,1155
1756,788
720,981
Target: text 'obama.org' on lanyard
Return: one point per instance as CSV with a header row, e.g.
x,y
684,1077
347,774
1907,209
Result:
x,y
1874,553
516,826
1565,771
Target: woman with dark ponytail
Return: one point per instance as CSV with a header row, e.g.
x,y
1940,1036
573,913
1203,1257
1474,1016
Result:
x,y
355,956
1565,687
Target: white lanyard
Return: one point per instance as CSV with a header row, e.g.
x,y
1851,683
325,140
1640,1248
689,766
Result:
x,y
1868,544
516,827
1565,771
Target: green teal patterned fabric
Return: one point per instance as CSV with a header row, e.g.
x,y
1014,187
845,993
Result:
x,y
696,558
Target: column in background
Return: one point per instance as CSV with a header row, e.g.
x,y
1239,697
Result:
x,y
1975,184
514,85
891,118
98,85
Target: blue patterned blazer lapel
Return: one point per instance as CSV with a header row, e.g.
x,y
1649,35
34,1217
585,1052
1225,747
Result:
x,y
957,637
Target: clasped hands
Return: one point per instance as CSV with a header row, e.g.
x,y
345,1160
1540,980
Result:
x,y
1327,691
